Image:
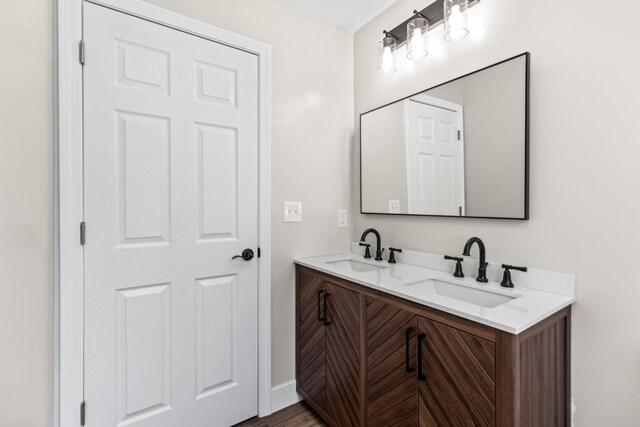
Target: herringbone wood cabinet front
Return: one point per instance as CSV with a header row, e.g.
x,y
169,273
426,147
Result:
x,y
366,358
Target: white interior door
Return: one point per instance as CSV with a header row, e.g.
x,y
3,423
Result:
x,y
435,158
171,194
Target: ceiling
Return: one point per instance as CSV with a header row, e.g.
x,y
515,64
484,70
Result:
x,y
347,14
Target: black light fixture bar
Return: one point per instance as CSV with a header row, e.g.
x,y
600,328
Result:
x,y
434,13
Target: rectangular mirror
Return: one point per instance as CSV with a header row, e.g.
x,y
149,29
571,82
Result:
x,y
457,149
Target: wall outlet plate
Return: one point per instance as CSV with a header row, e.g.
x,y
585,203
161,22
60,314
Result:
x,y
394,206
292,212
342,218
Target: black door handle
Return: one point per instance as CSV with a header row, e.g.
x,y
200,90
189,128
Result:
x,y
421,376
325,319
247,255
320,318
407,350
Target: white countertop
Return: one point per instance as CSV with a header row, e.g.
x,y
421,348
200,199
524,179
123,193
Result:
x,y
525,306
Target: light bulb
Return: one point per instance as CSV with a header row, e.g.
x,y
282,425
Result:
x,y
456,28
416,43
456,20
416,46
387,65
386,58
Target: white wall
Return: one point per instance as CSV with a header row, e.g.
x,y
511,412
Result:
x,y
312,135
585,197
26,168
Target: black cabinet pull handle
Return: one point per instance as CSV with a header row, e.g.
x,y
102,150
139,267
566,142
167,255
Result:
x,y
421,376
325,319
407,350
320,318
247,255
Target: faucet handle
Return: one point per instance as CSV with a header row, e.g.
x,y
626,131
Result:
x,y
367,252
458,260
392,255
506,277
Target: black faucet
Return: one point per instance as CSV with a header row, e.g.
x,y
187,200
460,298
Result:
x,y
378,248
482,266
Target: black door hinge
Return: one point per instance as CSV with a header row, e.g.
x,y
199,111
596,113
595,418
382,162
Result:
x,y
459,135
82,412
258,252
83,233
81,52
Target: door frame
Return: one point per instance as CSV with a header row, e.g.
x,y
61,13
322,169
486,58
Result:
x,y
68,316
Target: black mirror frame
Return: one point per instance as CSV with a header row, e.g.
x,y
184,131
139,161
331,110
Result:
x,y
527,56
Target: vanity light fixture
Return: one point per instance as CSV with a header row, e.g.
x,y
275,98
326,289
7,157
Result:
x,y
413,31
416,33
456,20
386,58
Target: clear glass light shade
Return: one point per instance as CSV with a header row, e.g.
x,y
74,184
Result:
x,y
456,20
417,39
386,58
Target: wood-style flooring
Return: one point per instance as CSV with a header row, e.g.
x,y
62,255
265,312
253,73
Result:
x,y
298,415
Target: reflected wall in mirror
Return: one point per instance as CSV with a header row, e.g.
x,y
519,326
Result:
x,y
458,149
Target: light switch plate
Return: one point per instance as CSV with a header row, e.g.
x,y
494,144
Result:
x,y
394,206
292,212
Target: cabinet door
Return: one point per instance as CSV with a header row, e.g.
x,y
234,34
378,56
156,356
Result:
x,y
343,353
311,357
392,392
458,383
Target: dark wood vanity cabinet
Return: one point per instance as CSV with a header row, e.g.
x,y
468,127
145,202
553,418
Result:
x,y
457,386
365,358
310,339
328,348
421,370
391,365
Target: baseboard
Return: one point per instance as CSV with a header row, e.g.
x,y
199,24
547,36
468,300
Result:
x,y
283,396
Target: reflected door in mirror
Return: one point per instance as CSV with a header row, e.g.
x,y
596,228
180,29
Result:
x,y
435,157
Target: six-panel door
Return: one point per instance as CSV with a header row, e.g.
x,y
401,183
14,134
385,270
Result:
x,y
171,194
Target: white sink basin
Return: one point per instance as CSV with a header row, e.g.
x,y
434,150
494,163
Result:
x,y
463,292
356,266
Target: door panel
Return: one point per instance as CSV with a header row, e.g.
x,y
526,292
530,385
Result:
x,y
144,351
216,330
392,393
144,168
343,353
459,384
170,162
217,180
